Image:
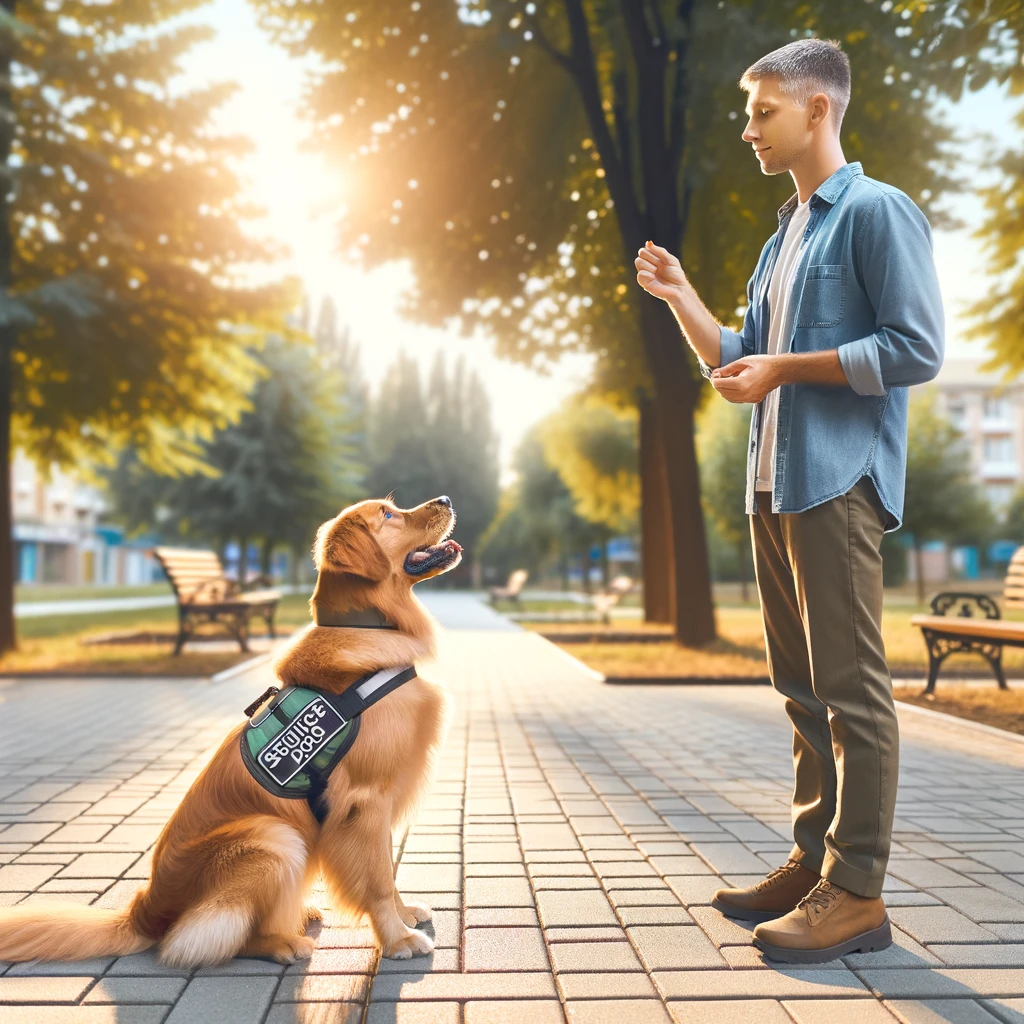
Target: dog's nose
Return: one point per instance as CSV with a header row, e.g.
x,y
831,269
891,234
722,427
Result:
x,y
444,500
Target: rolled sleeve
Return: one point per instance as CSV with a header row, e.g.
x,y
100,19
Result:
x,y
895,262
732,347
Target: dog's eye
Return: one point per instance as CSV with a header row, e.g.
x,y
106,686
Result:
x,y
387,514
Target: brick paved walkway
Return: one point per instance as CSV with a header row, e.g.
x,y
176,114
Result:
x,y
570,847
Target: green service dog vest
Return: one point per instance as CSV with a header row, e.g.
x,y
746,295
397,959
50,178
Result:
x,y
297,737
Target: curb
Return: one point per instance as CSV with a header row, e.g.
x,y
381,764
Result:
x,y
590,673
243,666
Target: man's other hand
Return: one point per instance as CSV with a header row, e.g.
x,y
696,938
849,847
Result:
x,y
659,272
746,380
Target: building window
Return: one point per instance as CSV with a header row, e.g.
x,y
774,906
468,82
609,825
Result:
x,y
999,496
999,449
996,407
957,414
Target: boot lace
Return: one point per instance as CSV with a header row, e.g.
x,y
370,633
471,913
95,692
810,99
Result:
x,y
821,897
777,875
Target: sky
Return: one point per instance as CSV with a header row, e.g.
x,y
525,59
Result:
x,y
295,189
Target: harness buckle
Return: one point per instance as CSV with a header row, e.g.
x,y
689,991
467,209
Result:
x,y
270,691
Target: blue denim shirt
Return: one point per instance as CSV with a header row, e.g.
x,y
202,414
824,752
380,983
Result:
x,y
866,286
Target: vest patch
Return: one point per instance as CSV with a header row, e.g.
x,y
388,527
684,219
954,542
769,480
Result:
x,y
295,739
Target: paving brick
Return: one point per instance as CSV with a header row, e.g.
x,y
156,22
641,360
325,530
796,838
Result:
x,y
983,904
1008,954
42,990
576,908
356,960
654,915
414,1013
729,1011
522,1011
315,1013
224,1000
462,987
607,985
772,984
98,865
967,983
84,1014
319,988
617,1011
54,968
505,949
498,892
674,947
25,877
135,990
594,956
940,1011
939,924
828,1011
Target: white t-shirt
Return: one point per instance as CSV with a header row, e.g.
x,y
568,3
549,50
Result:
x,y
780,294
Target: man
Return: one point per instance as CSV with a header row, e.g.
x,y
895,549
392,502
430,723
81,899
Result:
x,y
843,314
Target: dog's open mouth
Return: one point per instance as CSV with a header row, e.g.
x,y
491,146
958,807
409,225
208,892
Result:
x,y
433,557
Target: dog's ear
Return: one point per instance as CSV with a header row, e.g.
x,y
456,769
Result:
x,y
346,545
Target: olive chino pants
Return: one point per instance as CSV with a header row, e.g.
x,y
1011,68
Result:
x,y
819,575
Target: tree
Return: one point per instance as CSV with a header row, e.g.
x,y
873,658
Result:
x,y
436,440
1013,525
942,499
273,477
537,525
722,437
520,154
125,315
593,448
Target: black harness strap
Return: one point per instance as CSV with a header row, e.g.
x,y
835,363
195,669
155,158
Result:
x,y
363,618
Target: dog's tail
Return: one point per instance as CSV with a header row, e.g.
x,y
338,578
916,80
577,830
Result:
x,y
61,931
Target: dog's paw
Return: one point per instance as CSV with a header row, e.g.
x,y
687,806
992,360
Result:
x,y
293,949
311,915
416,913
413,943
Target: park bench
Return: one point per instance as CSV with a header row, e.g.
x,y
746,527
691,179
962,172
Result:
x,y
510,592
204,593
966,632
610,596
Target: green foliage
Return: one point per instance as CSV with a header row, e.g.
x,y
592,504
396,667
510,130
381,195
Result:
x,y
275,475
593,448
132,321
438,439
518,167
723,430
1012,527
942,500
537,526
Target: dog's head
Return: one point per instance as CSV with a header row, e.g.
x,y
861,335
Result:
x,y
380,545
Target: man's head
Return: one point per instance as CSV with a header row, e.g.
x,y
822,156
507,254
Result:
x,y
796,98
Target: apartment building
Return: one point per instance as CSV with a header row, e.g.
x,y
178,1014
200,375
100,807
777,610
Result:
x,y
989,411
58,537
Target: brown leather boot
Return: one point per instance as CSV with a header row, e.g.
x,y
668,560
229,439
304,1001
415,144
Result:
x,y
772,897
827,923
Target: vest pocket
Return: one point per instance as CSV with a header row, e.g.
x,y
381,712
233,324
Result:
x,y
823,302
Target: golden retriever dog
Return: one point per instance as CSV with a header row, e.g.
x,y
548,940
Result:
x,y
233,865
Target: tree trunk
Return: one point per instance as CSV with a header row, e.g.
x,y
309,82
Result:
x,y
605,563
293,565
243,559
266,555
676,393
585,567
655,518
741,551
8,635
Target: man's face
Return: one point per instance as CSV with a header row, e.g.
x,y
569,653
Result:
x,y
780,130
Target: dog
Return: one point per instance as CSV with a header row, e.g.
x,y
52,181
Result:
x,y
232,867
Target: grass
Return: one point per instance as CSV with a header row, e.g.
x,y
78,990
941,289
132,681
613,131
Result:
x,y
53,643
739,649
26,593
983,703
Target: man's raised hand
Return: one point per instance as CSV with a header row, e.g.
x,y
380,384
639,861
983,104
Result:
x,y
659,272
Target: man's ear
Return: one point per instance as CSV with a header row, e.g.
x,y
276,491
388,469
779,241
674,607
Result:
x,y
346,545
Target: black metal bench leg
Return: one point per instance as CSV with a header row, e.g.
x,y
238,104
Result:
x,y
182,633
270,624
995,659
935,659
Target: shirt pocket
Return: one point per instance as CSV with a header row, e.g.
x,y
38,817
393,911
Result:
x,y
823,301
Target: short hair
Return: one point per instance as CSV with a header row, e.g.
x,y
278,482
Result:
x,y
804,68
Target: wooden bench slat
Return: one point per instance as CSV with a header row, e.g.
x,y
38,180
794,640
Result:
x,y
993,629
